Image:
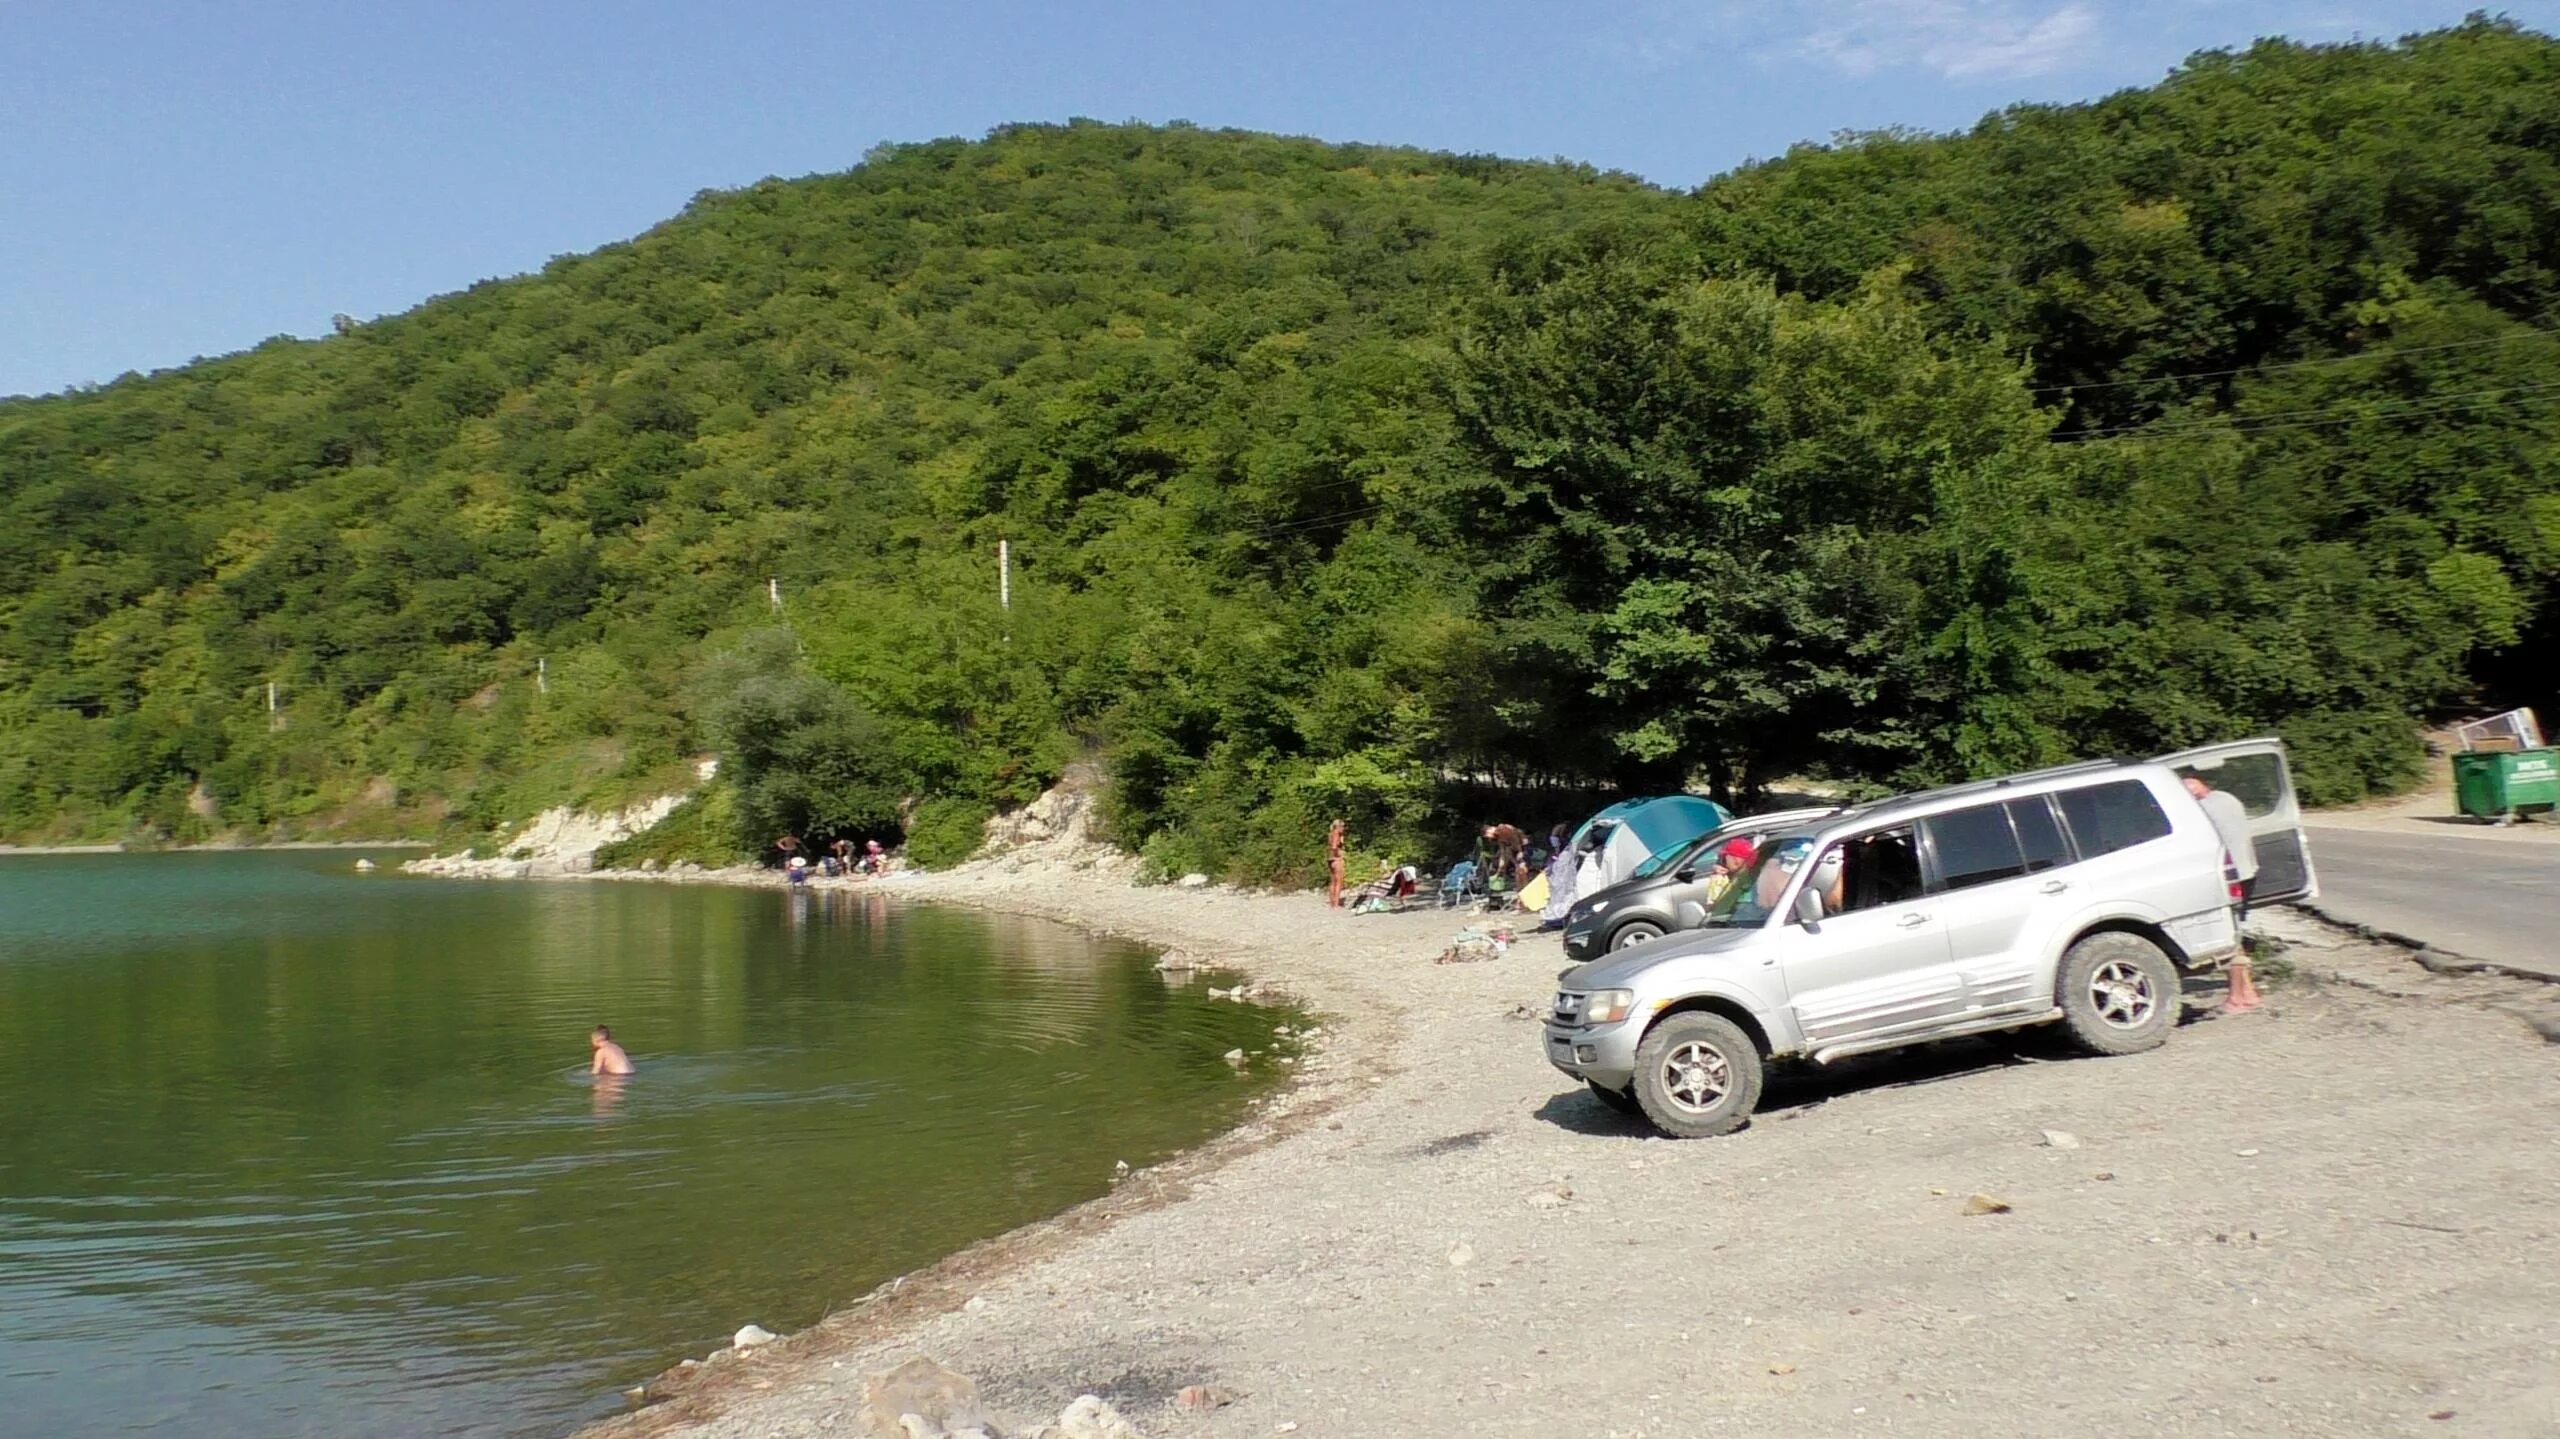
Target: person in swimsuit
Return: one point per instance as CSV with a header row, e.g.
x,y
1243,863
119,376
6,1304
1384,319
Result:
x,y
1333,864
609,1056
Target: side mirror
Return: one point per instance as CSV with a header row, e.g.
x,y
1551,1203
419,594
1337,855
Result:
x,y
1808,906
1683,876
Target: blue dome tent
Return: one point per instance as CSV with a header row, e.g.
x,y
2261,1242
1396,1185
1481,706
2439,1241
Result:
x,y
1610,844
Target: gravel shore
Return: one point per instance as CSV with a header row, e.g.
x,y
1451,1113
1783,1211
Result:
x,y
2340,1216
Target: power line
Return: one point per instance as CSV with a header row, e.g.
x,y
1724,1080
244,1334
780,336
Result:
x,y
2246,425
2532,333
1315,521
2342,407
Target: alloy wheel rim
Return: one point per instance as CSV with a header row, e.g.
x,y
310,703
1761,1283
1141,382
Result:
x,y
1696,1075
2121,993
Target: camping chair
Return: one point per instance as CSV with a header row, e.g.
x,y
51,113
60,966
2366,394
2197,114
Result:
x,y
1460,884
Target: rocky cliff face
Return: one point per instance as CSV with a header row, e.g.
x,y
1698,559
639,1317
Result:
x,y
553,843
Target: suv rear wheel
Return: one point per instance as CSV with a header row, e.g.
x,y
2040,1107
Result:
x,y
2119,993
1697,1075
1642,931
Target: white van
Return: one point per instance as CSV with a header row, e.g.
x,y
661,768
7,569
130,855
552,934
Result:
x,y
2069,895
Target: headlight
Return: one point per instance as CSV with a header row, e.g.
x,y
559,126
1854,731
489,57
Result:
x,y
1607,1006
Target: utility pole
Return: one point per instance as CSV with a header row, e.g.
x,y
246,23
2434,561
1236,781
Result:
x,y
773,591
275,717
542,676
1004,585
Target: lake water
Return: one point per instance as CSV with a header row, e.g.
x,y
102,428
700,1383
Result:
x,y
288,1150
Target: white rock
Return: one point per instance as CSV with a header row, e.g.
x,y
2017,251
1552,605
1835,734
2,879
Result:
x,y
364,866
1091,1418
1462,1254
916,1426
2061,1139
753,1336
1195,881
1553,1197
1236,1058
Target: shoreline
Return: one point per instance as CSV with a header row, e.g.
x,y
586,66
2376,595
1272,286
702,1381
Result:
x,y
1429,1231
245,846
1073,884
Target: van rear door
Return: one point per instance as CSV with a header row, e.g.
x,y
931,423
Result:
x,y
2255,770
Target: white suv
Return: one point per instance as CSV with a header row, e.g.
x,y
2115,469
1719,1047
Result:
x,y
2066,895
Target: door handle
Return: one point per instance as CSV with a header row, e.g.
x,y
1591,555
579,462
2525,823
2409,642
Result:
x,y
1912,921
2053,886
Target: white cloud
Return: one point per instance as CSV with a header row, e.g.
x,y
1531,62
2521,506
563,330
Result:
x,y
1956,39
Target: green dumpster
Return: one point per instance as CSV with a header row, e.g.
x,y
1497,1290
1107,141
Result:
x,y
2501,784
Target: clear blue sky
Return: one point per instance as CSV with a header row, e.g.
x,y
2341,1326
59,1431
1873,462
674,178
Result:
x,y
181,179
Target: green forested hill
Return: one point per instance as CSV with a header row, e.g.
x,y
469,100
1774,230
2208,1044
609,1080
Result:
x,y
1332,474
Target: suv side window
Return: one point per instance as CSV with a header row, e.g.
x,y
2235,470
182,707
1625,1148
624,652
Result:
x,y
2040,837
1875,869
2116,815
1975,846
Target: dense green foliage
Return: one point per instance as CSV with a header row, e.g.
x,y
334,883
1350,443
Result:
x,y
1337,477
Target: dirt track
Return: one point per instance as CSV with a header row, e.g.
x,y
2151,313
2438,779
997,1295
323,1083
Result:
x,y
2338,1217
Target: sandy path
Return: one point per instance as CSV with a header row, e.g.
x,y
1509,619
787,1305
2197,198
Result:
x,y
2339,1217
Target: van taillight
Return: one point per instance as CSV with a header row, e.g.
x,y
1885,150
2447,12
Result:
x,y
2231,877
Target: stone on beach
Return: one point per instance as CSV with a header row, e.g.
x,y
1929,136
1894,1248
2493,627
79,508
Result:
x,y
921,1389
752,1336
1201,1398
1091,1417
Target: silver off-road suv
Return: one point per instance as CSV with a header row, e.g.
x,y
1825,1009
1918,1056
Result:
x,y
2069,895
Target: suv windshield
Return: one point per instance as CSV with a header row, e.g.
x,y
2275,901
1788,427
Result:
x,y
1753,895
1664,861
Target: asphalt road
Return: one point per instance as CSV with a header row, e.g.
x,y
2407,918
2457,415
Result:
x,y
2496,900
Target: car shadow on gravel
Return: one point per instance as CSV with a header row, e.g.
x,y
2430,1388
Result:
x,y
1796,1088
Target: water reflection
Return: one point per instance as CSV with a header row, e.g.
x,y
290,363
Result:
x,y
607,1097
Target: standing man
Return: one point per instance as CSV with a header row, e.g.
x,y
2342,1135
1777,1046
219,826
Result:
x,y
1509,847
1333,864
2231,821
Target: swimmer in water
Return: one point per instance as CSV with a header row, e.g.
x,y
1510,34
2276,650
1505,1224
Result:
x,y
609,1056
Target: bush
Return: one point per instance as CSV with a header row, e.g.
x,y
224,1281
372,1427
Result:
x,y
946,832
703,829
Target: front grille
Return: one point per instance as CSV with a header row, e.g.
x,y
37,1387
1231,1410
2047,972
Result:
x,y
1568,1008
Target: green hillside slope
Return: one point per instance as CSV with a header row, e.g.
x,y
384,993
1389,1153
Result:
x,y
1334,477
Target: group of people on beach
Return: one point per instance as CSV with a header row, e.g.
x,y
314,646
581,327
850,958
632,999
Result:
x,y
841,858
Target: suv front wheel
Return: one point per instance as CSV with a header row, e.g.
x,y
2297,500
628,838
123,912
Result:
x,y
1697,1076
2119,993
1642,931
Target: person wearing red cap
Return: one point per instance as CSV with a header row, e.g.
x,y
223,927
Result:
x,y
1732,858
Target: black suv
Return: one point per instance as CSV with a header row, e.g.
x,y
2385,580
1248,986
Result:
x,y
1666,894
